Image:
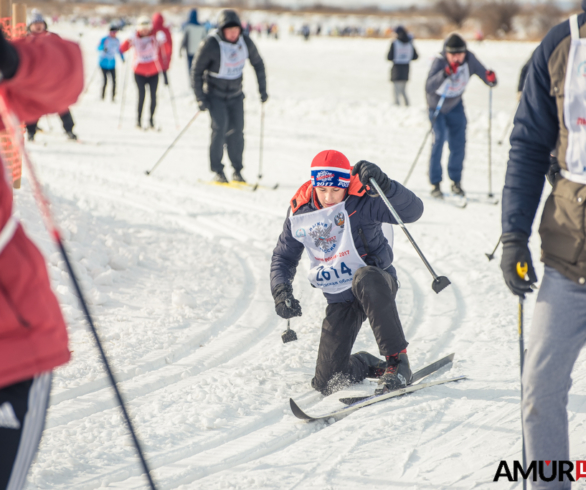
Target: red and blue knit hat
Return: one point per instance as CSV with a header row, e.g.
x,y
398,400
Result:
x,y
330,168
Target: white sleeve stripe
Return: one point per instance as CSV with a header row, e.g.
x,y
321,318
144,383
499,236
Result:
x,y
33,424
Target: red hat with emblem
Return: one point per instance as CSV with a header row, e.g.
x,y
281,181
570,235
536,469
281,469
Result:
x,y
330,168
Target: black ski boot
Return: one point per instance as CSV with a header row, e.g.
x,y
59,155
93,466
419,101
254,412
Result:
x,y
457,190
220,177
436,192
397,375
151,123
237,177
71,135
376,366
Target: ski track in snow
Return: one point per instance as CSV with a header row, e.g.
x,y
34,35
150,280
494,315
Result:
x,y
177,276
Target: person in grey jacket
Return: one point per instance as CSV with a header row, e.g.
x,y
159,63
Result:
x,y
338,220
402,52
217,81
447,79
193,34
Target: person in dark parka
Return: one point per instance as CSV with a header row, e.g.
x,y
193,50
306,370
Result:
x,y
402,52
217,80
338,220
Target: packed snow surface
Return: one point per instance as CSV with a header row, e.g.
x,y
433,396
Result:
x,y
177,276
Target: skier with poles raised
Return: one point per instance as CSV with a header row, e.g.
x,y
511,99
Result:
x,y
38,28
146,64
219,65
39,75
551,115
337,217
401,53
447,79
109,47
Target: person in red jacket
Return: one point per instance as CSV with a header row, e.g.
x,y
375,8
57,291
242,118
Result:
x,y
38,75
166,48
38,27
146,64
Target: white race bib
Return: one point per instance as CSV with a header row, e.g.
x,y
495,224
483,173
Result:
x,y
327,238
232,58
456,84
575,106
402,53
145,49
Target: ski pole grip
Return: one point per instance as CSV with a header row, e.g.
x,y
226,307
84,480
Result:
x,y
522,269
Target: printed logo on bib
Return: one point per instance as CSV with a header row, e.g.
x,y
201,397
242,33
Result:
x,y
331,250
582,69
456,84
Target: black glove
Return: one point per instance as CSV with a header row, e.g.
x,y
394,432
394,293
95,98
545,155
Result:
x,y
264,97
367,171
286,305
8,58
203,104
515,250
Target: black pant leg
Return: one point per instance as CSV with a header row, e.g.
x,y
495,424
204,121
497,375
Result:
x,y
31,129
23,407
105,75
219,116
376,290
153,84
67,121
140,83
113,76
235,134
335,368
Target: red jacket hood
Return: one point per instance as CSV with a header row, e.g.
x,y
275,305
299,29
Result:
x,y
305,193
158,22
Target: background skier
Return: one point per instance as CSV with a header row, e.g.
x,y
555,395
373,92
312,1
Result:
x,y
165,46
550,118
38,27
449,74
338,222
146,64
193,35
40,74
401,53
219,64
109,47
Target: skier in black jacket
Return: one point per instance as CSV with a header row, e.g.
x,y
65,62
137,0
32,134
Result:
x,y
338,220
217,80
402,52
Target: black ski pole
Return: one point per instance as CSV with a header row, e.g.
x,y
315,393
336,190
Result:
x,y
434,117
491,255
439,282
12,124
288,335
522,271
508,126
490,143
148,172
262,131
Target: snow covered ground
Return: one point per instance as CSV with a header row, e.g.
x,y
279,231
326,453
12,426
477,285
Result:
x,y
177,273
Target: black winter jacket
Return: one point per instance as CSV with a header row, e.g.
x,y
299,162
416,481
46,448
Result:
x,y
400,71
208,60
366,217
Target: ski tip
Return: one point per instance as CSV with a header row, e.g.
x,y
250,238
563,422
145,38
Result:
x,y
300,414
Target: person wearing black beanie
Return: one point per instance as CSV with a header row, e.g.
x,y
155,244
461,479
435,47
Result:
x,y
402,52
447,79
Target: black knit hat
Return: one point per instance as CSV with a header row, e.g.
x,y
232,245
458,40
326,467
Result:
x,y
455,44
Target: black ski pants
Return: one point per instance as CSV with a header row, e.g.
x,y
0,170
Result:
x,y
112,73
66,120
227,128
375,291
23,407
142,82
